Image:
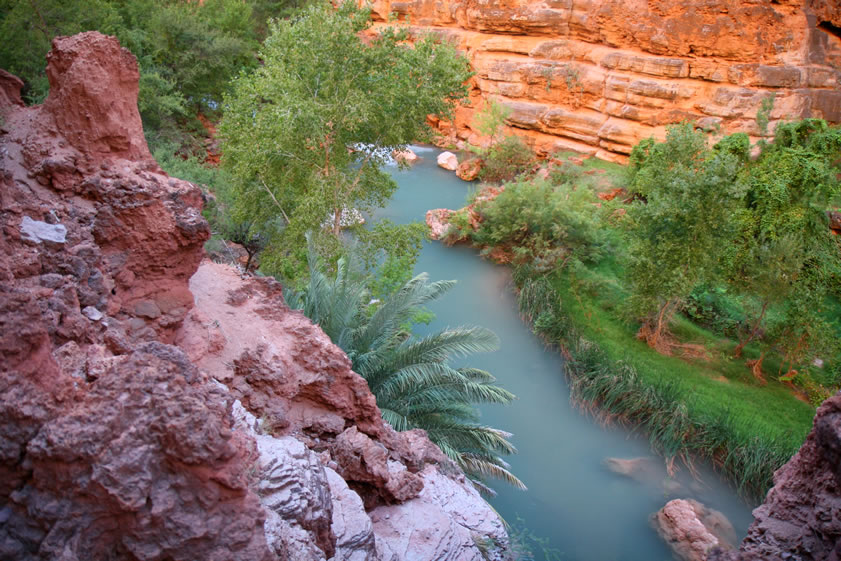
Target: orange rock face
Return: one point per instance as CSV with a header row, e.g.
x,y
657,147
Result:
x,y
597,76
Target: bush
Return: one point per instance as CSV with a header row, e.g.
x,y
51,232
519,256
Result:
x,y
506,159
542,222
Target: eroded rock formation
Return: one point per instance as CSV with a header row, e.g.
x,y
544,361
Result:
x,y
596,76
137,425
801,516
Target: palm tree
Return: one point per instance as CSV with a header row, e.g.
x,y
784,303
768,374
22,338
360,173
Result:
x,y
411,377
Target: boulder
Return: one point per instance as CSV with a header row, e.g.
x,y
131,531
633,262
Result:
x,y
444,522
406,155
691,529
448,161
469,170
437,220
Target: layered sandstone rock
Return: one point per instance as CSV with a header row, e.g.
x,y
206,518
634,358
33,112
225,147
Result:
x,y
596,76
250,440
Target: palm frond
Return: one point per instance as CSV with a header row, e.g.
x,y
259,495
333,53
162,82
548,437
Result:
x,y
410,377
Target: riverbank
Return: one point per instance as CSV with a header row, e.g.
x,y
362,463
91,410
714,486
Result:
x,y
687,410
697,402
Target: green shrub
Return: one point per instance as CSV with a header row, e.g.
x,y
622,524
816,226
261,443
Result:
x,y
506,159
542,222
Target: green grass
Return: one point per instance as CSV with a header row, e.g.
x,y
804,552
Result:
x,y
710,407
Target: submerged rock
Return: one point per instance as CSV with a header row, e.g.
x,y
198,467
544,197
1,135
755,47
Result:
x,y
642,468
691,529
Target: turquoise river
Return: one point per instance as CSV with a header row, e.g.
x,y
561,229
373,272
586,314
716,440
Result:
x,y
578,508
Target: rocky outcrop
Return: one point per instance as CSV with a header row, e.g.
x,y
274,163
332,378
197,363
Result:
x,y
288,374
597,76
438,222
801,516
139,422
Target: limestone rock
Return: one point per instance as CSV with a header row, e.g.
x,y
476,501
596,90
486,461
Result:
x,y
293,484
469,170
691,530
352,527
116,444
37,231
160,459
448,161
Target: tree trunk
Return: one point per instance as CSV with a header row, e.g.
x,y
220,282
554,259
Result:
x,y
756,367
654,331
337,222
737,352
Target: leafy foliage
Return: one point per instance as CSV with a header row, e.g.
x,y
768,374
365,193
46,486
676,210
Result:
x,y
506,159
682,222
785,254
187,51
307,133
542,221
411,377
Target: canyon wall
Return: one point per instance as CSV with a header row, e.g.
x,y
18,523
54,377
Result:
x,y
597,76
157,407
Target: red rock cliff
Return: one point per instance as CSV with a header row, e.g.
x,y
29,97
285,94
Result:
x,y
597,76
248,439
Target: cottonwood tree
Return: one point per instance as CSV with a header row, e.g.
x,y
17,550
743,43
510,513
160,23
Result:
x,y
306,134
787,255
680,225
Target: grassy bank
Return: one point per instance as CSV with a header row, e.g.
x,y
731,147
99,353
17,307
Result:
x,y
689,409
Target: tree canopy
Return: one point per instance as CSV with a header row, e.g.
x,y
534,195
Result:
x,y
682,221
305,135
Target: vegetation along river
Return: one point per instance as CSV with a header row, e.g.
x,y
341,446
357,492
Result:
x,y
575,504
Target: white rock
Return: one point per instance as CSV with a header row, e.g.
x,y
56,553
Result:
x,y
448,160
92,313
405,156
691,529
444,523
37,231
352,527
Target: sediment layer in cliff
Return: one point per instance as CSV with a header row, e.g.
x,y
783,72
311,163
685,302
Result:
x,y
597,76
154,407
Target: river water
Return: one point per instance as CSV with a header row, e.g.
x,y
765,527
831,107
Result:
x,y
576,507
